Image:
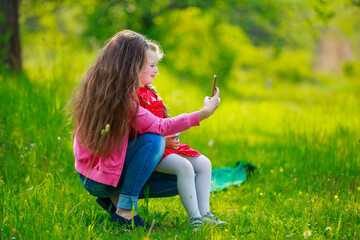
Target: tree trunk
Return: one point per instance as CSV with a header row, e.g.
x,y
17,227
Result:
x,y
10,50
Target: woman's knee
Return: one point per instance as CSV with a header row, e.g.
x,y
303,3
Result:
x,y
153,137
157,143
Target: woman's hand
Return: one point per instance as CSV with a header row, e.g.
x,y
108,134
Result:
x,y
210,105
171,142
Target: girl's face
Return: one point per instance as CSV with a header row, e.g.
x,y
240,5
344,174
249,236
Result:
x,y
150,69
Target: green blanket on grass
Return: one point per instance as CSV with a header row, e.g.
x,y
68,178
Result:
x,y
222,178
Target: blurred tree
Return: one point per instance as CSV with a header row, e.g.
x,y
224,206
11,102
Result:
x,y
10,51
104,18
254,41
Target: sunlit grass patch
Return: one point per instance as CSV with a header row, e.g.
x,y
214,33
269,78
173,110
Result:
x,y
304,139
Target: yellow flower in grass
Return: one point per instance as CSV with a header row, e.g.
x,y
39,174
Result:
x,y
300,193
272,171
295,179
281,169
359,188
336,196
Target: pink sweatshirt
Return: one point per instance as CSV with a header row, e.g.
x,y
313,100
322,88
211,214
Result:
x,y
108,170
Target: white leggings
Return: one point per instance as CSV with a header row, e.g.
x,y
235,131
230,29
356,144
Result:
x,y
194,195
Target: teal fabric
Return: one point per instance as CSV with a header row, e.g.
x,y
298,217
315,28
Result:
x,y
223,178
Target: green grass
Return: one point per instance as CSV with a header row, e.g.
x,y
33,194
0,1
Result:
x,y
303,137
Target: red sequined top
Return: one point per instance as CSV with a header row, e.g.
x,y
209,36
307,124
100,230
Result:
x,y
155,105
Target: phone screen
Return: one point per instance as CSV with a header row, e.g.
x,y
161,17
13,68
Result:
x,y
214,86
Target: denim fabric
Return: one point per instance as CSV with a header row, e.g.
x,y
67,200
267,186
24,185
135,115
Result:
x,y
142,156
98,189
160,185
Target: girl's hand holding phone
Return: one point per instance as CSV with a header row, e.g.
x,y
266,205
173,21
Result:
x,y
210,105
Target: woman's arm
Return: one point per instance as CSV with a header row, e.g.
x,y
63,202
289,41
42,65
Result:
x,y
147,122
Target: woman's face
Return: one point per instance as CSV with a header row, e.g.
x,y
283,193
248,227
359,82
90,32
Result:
x,y
150,69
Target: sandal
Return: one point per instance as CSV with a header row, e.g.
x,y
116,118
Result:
x,y
196,223
210,219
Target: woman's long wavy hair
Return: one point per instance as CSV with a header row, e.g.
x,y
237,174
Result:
x,y
107,94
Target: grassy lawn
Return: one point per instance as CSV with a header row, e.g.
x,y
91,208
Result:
x,y
303,137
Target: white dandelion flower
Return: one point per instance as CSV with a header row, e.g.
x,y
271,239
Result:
x,y
307,234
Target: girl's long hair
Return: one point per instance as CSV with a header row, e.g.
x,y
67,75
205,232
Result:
x,y
155,47
107,94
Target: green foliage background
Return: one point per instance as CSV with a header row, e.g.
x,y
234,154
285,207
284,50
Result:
x,y
289,74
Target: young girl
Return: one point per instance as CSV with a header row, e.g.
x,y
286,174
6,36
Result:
x,y
192,169
105,109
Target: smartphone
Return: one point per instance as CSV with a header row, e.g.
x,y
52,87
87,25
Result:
x,y
214,86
